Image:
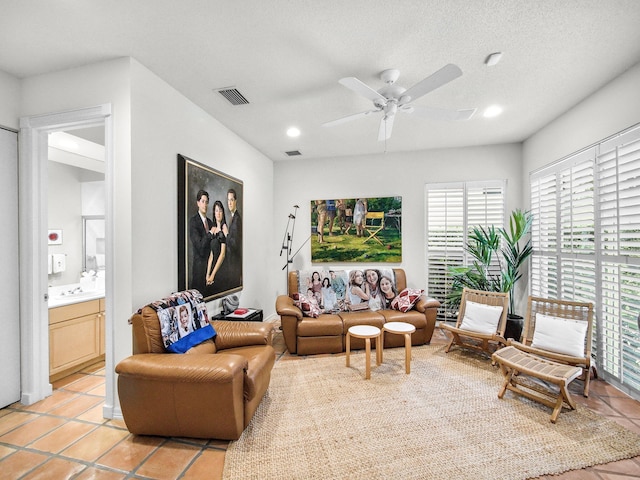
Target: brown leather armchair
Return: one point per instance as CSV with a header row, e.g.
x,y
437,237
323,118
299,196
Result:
x,y
212,391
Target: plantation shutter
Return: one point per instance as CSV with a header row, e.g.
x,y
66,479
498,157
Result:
x,y
576,214
618,177
445,237
563,263
586,241
544,237
452,210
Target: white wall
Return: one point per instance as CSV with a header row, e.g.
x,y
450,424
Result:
x,y
9,273
611,109
9,100
405,174
164,124
65,213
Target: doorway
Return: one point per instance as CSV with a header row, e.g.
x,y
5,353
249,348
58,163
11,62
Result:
x,y
33,195
76,250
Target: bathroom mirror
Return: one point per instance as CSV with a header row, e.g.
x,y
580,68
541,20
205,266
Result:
x,y
93,243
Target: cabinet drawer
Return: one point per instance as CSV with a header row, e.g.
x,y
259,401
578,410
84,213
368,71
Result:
x,y
75,310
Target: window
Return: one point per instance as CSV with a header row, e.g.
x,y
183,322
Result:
x,y
453,209
586,240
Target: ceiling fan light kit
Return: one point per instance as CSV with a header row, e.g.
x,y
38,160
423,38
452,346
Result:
x,y
392,98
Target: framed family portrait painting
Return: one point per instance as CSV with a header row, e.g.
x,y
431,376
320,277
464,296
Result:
x,y
209,230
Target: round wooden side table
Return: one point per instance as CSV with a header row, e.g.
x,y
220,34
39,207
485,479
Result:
x,y
399,328
367,332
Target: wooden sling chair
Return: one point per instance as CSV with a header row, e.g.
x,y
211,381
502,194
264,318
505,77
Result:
x,y
482,319
560,331
555,349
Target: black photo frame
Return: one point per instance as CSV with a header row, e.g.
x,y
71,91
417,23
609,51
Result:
x,y
194,238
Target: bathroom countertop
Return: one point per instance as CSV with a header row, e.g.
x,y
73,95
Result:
x,y
59,296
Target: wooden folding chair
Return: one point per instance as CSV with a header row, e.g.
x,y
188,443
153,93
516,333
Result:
x,y
484,341
373,224
558,310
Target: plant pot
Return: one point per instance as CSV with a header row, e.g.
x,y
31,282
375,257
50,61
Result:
x,y
514,327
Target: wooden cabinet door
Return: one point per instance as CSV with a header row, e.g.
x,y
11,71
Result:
x,y
73,342
76,336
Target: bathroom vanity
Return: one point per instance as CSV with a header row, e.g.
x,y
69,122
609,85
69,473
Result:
x,y
76,332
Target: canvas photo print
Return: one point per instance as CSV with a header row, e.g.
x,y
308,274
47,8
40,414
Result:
x,y
356,230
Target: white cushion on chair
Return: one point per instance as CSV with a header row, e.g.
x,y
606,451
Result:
x,y
560,335
481,318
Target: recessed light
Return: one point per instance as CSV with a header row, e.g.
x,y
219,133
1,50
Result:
x,y
293,132
492,111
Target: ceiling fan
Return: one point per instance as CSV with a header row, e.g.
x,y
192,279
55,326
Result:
x,y
392,98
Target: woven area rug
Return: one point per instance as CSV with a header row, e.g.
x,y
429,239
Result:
x,y
321,420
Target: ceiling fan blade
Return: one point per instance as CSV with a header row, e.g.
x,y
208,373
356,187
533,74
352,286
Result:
x,y
444,75
386,126
348,118
441,113
352,83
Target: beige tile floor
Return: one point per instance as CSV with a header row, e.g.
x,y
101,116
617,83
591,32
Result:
x,y
65,436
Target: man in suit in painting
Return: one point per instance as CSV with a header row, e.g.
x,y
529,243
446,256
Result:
x,y
234,240
200,236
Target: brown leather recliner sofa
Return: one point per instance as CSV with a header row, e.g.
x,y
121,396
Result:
x,y
326,333
212,391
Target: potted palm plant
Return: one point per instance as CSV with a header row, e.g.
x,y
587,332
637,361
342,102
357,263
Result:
x,y
510,249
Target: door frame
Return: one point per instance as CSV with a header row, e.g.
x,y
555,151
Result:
x,y
33,194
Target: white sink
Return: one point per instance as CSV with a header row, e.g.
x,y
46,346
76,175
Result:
x,y
68,294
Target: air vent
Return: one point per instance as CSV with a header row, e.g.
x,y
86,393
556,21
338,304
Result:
x,y
293,153
233,96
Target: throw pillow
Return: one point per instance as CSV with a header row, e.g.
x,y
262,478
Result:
x,y
481,318
308,305
560,335
406,299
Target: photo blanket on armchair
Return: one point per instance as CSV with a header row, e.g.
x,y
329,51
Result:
x,y
183,320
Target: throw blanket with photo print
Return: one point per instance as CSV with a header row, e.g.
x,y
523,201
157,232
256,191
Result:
x,y
183,320
331,290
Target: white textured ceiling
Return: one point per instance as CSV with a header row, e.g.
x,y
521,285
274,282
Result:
x,y
286,57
